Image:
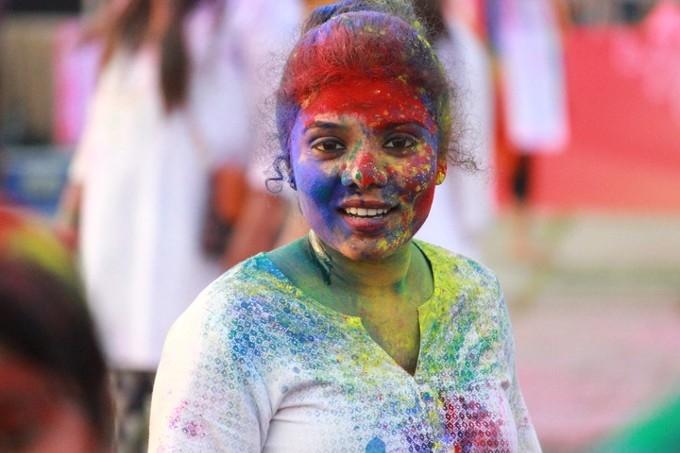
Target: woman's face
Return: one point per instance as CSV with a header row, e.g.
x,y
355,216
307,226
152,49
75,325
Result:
x,y
364,156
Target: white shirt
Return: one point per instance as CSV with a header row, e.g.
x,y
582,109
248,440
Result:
x,y
256,365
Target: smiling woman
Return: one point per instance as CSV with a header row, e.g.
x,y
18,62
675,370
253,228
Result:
x,y
366,158
355,338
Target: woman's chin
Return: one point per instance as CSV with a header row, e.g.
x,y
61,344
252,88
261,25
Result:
x,y
373,249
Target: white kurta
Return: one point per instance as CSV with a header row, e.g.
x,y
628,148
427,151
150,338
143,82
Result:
x,y
532,76
257,365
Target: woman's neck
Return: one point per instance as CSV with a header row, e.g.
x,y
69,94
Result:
x,y
364,277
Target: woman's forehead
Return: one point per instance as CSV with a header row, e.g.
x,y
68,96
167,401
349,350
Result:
x,y
375,102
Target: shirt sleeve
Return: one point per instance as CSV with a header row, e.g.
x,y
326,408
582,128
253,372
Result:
x,y
206,398
526,435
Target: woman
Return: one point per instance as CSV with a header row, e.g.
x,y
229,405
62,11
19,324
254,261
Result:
x,y
53,382
168,116
356,338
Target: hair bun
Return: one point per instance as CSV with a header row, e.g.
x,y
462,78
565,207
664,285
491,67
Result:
x,y
400,8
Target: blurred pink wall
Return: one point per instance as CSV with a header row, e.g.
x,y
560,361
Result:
x,y
624,106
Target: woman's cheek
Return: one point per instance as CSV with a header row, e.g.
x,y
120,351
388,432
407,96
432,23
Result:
x,y
422,207
414,177
416,181
316,193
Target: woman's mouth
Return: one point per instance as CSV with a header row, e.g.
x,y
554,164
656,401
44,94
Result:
x,y
369,221
366,212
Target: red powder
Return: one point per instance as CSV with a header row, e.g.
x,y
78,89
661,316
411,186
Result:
x,y
473,426
379,103
425,203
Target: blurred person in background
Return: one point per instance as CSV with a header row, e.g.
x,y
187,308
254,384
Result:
x,y
525,35
53,381
463,204
3,198
2,131
164,152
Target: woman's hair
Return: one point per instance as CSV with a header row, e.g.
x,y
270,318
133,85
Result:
x,y
130,26
376,39
430,11
44,320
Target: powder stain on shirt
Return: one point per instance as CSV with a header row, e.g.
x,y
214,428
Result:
x,y
266,356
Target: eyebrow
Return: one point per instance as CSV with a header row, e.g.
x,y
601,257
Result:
x,y
323,125
398,124
327,125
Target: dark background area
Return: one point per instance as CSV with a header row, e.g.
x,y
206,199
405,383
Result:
x,y
42,6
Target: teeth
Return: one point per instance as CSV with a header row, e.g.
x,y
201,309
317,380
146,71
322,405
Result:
x,y
364,212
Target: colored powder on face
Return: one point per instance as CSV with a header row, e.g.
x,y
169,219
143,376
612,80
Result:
x,y
362,111
366,45
378,102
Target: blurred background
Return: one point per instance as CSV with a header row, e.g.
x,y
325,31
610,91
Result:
x,y
584,235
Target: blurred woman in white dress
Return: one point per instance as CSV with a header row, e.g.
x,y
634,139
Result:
x,y
171,112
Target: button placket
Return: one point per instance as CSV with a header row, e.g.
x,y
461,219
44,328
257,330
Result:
x,y
428,404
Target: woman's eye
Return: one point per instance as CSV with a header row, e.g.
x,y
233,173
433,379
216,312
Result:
x,y
328,145
400,142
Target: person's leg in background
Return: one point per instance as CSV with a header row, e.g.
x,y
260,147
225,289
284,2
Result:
x,y
522,247
132,400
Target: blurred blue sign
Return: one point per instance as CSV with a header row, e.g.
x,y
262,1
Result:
x,y
34,176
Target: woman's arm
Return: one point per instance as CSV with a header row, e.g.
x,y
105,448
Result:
x,y
526,435
204,398
255,216
66,221
258,226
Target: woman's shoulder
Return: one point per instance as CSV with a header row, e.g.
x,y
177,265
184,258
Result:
x,y
459,271
250,312
467,293
252,289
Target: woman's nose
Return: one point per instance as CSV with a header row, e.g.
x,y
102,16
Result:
x,y
364,171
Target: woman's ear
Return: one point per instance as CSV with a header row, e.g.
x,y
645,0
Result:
x,y
441,171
